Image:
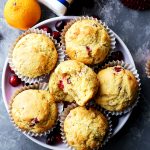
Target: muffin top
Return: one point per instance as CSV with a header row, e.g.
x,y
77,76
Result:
x,y
87,41
72,80
85,129
34,110
118,88
34,55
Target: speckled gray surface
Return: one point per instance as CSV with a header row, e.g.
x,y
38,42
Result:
x,y
134,28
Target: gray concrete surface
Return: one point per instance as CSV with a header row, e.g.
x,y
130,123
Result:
x,y
134,28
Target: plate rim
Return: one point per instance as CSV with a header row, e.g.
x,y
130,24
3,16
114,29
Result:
x,y
4,77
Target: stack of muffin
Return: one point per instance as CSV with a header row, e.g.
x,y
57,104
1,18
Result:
x,y
85,42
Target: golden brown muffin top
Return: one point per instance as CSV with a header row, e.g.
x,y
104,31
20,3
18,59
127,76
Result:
x,y
34,110
118,88
85,129
72,80
34,55
87,41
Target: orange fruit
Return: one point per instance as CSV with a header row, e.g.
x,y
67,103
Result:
x,y
22,14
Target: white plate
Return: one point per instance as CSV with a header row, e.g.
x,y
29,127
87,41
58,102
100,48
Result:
x,y
6,87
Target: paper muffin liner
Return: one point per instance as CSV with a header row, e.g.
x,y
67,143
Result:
x,y
26,79
71,22
41,86
135,73
147,68
66,112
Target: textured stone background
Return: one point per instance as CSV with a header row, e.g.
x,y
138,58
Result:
x,y
134,28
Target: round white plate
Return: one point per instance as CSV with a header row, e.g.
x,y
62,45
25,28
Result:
x,y
7,89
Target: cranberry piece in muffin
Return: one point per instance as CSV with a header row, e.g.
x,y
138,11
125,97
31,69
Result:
x,y
117,68
61,85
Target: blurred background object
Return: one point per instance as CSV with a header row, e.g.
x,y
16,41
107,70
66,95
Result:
x,y
23,14
137,4
59,7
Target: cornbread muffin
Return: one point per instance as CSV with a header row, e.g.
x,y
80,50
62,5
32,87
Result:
x,y
85,129
72,80
34,55
34,110
87,41
118,88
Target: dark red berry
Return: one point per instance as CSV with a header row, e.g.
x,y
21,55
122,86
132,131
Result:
x,y
61,85
58,139
46,28
56,35
11,70
117,68
14,80
116,56
60,25
50,139
53,138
